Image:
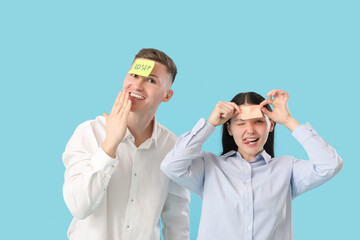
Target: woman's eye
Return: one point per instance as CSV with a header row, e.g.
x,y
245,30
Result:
x,y
133,75
259,121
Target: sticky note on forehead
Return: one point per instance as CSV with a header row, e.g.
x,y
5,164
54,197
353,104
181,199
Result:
x,y
142,67
249,112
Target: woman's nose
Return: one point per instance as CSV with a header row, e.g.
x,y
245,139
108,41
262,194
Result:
x,y
250,128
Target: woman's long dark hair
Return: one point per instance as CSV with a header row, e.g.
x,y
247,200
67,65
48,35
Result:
x,y
228,141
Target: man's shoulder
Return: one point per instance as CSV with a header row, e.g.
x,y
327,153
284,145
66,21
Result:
x,y
92,126
165,136
165,131
89,134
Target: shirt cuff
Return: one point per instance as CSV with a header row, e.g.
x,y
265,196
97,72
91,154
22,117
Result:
x,y
303,132
203,127
103,162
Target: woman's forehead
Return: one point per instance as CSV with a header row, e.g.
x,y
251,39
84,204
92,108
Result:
x,y
237,118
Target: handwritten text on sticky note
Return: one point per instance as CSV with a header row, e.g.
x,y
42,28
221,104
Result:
x,y
142,67
249,112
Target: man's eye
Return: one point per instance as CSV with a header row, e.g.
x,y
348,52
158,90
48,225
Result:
x,y
150,80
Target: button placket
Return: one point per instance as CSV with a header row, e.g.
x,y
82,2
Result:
x,y
130,211
249,202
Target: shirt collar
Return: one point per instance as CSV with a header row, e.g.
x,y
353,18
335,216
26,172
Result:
x,y
154,135
229,154
263,155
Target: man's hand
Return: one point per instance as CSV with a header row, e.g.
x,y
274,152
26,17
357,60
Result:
x,y
116,123
222,112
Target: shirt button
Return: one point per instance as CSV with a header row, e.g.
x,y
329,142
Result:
x,y
132,200
128,226
135,174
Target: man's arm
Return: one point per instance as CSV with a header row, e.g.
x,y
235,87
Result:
x,y
88,172
88,166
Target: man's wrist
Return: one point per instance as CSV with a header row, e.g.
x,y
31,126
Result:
x,y
108,149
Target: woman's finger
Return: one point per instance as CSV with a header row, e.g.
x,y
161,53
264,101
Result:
x,y
236,107
265,102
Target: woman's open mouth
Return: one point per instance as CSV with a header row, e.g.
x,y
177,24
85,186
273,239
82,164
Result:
x,y
250,141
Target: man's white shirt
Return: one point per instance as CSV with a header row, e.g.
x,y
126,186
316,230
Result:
x,y
122,198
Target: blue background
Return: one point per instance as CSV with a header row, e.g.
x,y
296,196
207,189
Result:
x,y
63,62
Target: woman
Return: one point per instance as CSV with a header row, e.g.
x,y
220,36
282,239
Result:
x,y
247,192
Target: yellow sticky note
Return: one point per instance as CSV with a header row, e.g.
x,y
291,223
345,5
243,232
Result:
x,y
249,112
142,67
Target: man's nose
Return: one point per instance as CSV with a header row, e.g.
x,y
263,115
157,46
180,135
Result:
x,y
139,83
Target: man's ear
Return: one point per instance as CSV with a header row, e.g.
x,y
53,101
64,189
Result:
x,y
168,96
228,128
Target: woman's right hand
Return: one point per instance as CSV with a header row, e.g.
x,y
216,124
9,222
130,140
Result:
x,y
222,112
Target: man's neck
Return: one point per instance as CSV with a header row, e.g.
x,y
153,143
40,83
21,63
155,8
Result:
x,y
141,126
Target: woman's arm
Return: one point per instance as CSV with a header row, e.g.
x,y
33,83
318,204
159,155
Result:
x,y
324,161
184,164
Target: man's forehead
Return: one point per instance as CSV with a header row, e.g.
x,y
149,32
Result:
x,y
159,70
142,67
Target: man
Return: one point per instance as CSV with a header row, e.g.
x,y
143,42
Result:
x,y
113,184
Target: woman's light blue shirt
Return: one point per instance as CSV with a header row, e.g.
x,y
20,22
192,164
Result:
x,y
243,200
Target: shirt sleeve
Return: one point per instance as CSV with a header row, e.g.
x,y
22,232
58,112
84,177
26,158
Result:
x,y
88,172
184,164
324,162
175,214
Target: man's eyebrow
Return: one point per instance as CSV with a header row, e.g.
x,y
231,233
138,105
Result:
x,y
152,75
239,119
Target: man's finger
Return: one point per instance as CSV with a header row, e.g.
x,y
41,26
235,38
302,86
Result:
x,y
116,102
127,110
124,105
120,104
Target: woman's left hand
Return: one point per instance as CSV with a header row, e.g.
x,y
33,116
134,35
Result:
x,y
280,114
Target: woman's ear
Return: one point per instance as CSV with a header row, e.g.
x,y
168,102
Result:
x,y
272,125
228,128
